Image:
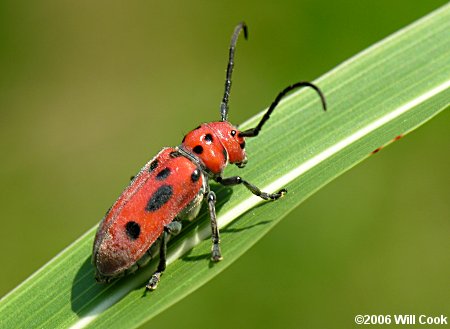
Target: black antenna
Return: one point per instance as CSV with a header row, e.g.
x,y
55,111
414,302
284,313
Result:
x,y
224,104
255,131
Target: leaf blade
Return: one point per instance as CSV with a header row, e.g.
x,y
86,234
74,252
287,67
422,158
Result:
x,y
394,72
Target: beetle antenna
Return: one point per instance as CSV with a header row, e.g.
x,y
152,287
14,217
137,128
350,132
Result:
x,y
226,95
255,131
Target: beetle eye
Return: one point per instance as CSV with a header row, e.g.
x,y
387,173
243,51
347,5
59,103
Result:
x,y
233,133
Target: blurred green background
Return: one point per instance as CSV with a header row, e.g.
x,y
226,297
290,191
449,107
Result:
x,y
90,91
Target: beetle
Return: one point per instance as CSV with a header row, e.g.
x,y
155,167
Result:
x,y
171,187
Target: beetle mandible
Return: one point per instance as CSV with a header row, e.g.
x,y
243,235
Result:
x,y
171,188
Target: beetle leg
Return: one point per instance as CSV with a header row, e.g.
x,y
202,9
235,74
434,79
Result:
x,y
216,255
236,180
172,228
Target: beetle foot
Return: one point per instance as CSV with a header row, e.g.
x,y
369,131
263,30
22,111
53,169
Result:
x,y
282,192
153,282
216,254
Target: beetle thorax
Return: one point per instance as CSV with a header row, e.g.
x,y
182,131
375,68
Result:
x,y
216,144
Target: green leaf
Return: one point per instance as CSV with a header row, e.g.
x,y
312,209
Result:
x,y
382,93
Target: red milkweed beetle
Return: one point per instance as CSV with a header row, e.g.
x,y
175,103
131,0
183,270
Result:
x,y
171,187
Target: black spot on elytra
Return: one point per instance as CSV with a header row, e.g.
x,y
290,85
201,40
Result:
x,y
133,230
242,145
163,174
198,149
153,165
208,138
195,175
159,198
233,133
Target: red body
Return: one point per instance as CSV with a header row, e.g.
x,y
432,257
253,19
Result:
x,y
168,187
118,247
